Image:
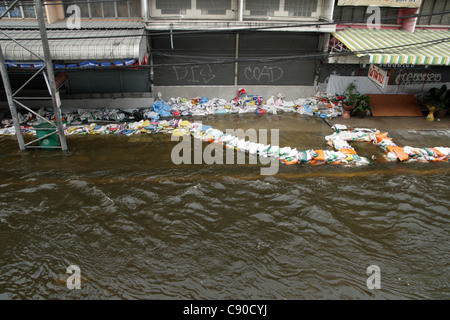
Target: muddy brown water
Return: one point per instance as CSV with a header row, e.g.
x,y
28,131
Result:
x,y
140,227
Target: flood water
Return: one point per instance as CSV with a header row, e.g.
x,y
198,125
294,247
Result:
x,y
140,227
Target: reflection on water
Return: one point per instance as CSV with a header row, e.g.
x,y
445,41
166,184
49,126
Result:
x,y
140,227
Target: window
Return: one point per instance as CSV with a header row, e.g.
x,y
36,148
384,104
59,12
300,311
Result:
x,y
173,6
105,9
28,11
300,8
24,10
262,7
218,7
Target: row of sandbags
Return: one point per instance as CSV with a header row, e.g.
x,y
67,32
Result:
x,y
339,139
286,155
322,104
343,152
125,128
179,127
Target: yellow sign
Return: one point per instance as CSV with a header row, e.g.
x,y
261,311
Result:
x,y
382,3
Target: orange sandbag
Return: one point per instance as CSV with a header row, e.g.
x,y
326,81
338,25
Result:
x,y
400,153
320,155
390,148
381,136
437,152
289,163
347,151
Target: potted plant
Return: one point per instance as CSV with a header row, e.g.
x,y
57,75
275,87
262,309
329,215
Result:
x,y
437,102
349,101
362,106
356,103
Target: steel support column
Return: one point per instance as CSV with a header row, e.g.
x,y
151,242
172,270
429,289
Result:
x,y
11,104
51,76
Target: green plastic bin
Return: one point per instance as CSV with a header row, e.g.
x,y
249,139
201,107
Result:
x,y
51,141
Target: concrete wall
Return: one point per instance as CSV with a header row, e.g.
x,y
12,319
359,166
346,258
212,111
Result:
x,y
144,101
230,92
326,8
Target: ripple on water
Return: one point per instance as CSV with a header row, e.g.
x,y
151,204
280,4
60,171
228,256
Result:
x,y
211,232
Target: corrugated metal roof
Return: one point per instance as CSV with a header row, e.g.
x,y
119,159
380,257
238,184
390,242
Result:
x,y
85,24
122,44
385,46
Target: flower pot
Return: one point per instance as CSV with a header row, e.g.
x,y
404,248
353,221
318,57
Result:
x,y
347,109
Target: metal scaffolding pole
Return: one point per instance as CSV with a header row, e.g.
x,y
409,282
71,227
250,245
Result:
x,y
51,76
49,79
12,106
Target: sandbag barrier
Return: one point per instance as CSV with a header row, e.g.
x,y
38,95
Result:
x,y
343,152
179,127
322,104
286,155
392,151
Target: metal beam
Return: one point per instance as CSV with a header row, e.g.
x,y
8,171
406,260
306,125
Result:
x,y
42,138
34,112
12,106
28,81
51,76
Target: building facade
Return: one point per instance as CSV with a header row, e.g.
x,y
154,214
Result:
x,y
99,48
213,48
128,52
415,49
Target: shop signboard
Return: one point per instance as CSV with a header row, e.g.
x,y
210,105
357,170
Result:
x,y
377,75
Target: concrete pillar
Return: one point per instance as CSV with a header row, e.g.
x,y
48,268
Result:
x,y
408,24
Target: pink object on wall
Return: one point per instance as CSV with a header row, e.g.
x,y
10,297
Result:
x,y
408,24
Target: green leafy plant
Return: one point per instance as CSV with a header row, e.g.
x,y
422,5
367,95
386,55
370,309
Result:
x,y
359,102
439,98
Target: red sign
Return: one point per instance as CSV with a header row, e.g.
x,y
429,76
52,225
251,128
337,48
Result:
x,y
378,75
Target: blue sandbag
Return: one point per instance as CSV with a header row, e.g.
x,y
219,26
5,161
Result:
x,y
162,109
306,108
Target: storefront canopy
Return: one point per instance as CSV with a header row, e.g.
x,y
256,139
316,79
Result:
x,y
385,46
75,45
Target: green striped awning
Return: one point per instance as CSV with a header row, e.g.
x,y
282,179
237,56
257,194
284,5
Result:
x,y
386,46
